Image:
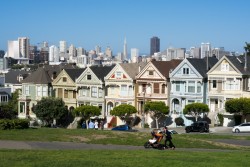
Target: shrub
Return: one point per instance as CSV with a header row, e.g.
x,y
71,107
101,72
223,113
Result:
x,y
146,125
221,119
179,121
14,124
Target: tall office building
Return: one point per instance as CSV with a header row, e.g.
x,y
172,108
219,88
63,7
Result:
x,y
53,54
98,49
154,45
205,50
72,51
194,52
108,52
125,54
24,46
19,48
134,55
63,46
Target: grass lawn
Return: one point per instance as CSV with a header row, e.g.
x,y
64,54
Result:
x,y
139,158
226,155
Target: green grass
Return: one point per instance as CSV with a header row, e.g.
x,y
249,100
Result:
x,y
217,154
138,158
115,137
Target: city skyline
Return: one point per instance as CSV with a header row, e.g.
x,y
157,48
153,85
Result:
x,y
179,24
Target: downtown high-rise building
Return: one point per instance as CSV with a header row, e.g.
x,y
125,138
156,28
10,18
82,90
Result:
x,y
205,50
62,46
19,48
125,54
134,55
154,45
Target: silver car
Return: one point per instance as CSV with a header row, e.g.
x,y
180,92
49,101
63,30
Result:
x,y
244,127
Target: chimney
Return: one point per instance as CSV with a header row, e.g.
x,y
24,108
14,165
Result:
x,y
245,67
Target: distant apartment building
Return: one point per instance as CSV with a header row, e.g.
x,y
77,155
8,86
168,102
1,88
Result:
x,y
53,54
194,52
108,52
154,45
175,53
19,50
219,52
205,50
80,51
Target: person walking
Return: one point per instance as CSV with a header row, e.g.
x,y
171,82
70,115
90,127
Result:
x,y
96,125
168,139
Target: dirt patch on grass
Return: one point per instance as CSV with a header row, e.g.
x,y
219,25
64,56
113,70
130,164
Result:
x,y
80,138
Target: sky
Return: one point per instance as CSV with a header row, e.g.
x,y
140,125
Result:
x,y
87,23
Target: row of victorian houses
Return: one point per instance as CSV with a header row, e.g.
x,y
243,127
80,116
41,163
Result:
x,y
175,82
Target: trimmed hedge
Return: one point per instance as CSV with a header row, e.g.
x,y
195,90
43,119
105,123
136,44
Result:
x,y
14,124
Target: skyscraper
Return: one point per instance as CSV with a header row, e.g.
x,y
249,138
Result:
x,y
125,54
154,45
205,50
24,46
134,55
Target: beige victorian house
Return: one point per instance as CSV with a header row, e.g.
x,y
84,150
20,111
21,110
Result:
x,y
65,87
229,78
120,85
91,87
153,85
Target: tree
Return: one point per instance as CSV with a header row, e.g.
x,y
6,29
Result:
x,y
123,111
247,48
239,106
156,109
50,109
196,109
86,111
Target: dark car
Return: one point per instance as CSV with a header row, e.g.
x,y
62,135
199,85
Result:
x,y
199,126
124,128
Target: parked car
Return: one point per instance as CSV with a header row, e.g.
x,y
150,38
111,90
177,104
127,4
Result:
x,y
124,128
173,131
244,127
199,126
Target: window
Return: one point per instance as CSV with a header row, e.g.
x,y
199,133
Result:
x,y
100,92
124,90
232,84
214,84
186,71
74,94
191,86
156,88
44,91
118,75
64,79
26,90
66,92
88,77
224,67
94,92
84,92
163,88
39,91
130,91
4,98
150,72
112,90
177,86
60,92
198,87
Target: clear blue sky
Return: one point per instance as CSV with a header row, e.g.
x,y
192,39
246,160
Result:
x,y
87,23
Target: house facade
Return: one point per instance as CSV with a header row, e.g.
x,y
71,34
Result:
x,y
65,87
120,86
189,85
229,78
36,86
153,85
91,87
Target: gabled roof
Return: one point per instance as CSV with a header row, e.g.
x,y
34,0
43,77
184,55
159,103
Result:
x,y
74,73
201,65
40,76
132,69
12,76
101,71
239,63
165,66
